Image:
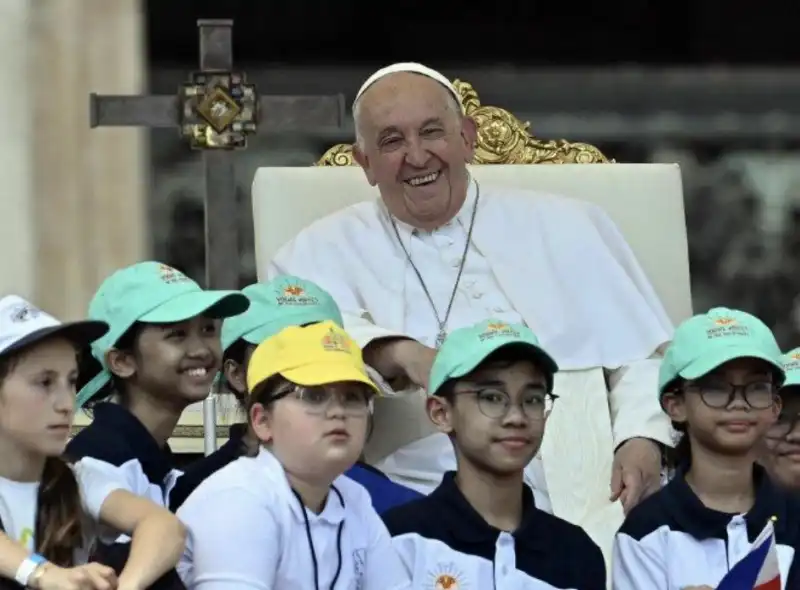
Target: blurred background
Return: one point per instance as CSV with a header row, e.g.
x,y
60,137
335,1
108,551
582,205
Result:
x,y
712,86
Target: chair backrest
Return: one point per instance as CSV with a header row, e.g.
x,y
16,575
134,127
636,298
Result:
x,y
645,200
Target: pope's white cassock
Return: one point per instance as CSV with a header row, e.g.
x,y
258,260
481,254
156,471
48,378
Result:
x,y
557,264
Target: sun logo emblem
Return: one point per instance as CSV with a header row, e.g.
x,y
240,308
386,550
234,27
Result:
x,y
496,326
293,291
724,321
446,577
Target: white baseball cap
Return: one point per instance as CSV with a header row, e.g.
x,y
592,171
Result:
x,y
413,68
23,324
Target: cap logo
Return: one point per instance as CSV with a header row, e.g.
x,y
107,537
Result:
x,y
796,356
171,275
498,329
295,295
334,342
23,312
725,327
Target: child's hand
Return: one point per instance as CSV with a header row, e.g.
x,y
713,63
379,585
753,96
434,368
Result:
x,y
92,576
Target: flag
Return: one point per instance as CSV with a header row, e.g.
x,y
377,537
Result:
x,y
758,570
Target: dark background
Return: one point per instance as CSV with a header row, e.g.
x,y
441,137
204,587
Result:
x,y
533,32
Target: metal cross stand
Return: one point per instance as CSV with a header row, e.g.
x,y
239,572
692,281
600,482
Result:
x,y
215,111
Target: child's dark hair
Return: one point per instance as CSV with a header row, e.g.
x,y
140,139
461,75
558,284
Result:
x,y
681,454
88,367
59,525
237,353
262,394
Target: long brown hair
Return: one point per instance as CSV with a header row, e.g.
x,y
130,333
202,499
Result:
x,y
59,514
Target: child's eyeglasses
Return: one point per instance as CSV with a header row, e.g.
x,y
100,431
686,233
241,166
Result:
x,y
718,395
496,403
317,400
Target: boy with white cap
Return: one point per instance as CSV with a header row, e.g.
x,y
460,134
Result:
x,y
490,394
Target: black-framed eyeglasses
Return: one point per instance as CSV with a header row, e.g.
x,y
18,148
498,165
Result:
x,y
496,403
355,400
758,395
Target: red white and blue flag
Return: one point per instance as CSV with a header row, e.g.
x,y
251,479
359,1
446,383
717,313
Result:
x,y
758,570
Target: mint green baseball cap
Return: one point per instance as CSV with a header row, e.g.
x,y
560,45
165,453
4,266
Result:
x,y
791,364
152,293
704,342
282,302
466,348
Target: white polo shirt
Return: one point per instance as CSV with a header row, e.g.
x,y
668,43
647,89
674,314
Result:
x,y
247,530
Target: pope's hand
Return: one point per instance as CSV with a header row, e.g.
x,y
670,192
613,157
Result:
x,y
636,472
401,361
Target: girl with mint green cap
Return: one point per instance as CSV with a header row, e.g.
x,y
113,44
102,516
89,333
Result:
x,y
283,302
781,455
160,355
719,383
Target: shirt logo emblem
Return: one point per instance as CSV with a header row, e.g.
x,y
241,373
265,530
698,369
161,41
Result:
x,y
446,576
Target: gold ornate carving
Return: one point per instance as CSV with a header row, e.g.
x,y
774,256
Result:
x,y
502,139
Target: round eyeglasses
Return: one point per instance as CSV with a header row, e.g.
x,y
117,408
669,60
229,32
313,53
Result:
x,y
758,395
354,400
496,403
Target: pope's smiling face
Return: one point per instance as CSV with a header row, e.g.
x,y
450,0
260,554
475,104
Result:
x,y
414,144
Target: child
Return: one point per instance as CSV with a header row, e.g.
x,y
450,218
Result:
x,y
782,452
51,512
285,517
160,355
490,387
285,301
718,383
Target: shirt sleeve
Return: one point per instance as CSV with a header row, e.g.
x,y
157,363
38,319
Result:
x,y
638,563
234,541
96,482
384,568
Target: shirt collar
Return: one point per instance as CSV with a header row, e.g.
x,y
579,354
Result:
x,y
462,520
463,217
332,513
117,422
702,522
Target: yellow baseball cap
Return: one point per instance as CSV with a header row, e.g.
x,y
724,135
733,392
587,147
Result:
x,y
316,354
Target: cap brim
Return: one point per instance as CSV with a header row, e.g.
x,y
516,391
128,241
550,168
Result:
x,y
325,373
81,334
212,304
708,362
470,363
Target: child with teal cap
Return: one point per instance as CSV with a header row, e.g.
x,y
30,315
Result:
x,y
781,455
283,302
160,355
490,392
718,382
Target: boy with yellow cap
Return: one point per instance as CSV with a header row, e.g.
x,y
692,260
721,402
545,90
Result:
x,y
285,301
782,450
490,392
285,517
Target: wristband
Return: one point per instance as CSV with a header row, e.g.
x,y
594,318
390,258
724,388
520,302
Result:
x,y
27,567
